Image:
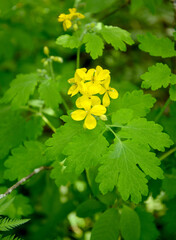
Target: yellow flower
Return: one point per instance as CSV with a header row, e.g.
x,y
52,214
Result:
x,y
96,77
93,100
88,114
67,18
78,82
108,92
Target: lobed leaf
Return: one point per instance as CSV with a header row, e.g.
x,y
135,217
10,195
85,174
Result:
x,y
94,45
117,37
159,47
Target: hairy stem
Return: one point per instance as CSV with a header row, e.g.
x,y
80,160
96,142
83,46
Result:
x,y
162,110
23,180
48,122
167,154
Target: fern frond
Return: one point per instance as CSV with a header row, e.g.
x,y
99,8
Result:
x,y
10,237
7,224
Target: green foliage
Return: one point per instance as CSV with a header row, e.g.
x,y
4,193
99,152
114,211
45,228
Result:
x,y
159,47
129,224
81,150
136,101
48,91
20,89
6,224
68,41
94,45
117,37
105,183
158,76
24,160
89,208
146,223
12,130
107,226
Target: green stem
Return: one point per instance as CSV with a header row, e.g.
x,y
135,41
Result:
x,y
162,110
51,69
110,129
48,122
167,154
78,57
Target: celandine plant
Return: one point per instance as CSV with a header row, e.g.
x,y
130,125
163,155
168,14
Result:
x,y
104,148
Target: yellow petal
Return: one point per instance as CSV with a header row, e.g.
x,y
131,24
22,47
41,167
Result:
x,y
71,80
68,23
80,15
83,102
95,100
98,110
81,73
107,82
86,103
93,88
90,74
72,89
78,115
72,10
106,100
90,122
61,17
113,93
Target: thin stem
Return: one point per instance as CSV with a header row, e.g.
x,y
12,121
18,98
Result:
x,y
162,110
110,129
78,57
23,180
167,154
48,122
51,69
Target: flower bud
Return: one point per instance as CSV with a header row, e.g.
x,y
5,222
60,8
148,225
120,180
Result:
x,y
46,50
103,117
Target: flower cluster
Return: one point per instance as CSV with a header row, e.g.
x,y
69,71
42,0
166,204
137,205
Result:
x,y
88,84
68,18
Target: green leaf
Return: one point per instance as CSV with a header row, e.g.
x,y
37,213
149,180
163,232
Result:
x,y
172,92
123,169
6,224
60,175
19,207
158,76
116,36
68,41
147,222
137,101
169,184
82,150
159,47
20,89
34,127
24,160
146,132
49,92
94,45
4,204
130,224
152,5
12,130
89,208
122,116
107,226
61,138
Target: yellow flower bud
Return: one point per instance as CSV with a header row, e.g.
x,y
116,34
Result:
x,y
46,50
103,117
